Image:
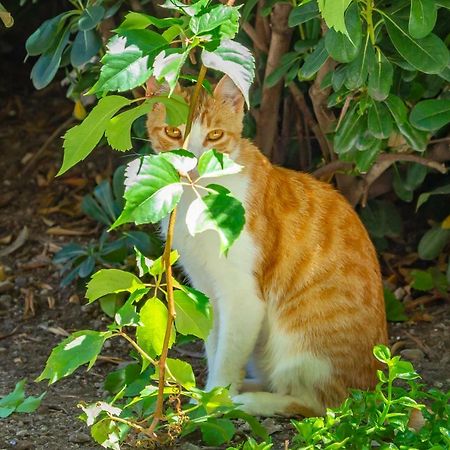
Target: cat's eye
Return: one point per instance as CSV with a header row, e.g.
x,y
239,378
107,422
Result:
x,y
214,135
173,132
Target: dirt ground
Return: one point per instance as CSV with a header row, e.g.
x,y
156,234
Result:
x,y
35,312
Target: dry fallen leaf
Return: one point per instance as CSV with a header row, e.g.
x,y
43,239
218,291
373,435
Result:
x,y
20,240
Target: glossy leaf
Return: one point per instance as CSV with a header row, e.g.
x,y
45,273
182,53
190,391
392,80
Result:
x,y
416,139
108,281
48,63
79,348
191,10
79,141
216,432
431,115
214,164
302,13
43,38
153,190
217,211
222,20
137,20
429,54
168,64
91,17
357,71
125,65
364,160
345,47
422,18
85,45
433,242
153,321
234,60
351,127
314,61
379,121
442,190
381,75
193,316
397,108
333,12
182,372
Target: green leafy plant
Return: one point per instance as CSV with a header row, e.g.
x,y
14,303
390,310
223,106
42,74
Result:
x,y
104,205
383,418
16,402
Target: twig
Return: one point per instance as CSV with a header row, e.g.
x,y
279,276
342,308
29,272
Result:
x,y
427,350
254,36
45,145
158,415
331,168
7,335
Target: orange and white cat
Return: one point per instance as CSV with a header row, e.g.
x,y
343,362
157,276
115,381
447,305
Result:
x,y
299,297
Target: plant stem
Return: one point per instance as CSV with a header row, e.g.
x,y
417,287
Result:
x,y
194,98
370,28
158,415
137,348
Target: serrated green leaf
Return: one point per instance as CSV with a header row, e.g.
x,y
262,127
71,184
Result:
x,y
183,160
153,190
431,115
429,54
118,130
379,121
48,63
302,13
422,18
127,315
85,45
333,12
125,65
30,404
182,372
168,64
108,281
234,60
108,433
193,317
152,328
314,61
78,349
381,75
345,47
213,164
190,10
158,267
137,20
79,141
220,212
221,20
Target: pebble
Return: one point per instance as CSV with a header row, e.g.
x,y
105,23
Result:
x,y
22,433
21,282
6,286
6,301
79,437
24,445
413,354
271,426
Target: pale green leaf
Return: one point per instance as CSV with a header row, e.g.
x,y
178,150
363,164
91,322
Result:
x,y
153,190
193,316
79,348
152,327
181,372
168,64
217,211
236,61
333,12
214,164
79,141
108,281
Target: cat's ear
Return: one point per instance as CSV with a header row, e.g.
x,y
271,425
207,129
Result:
x,y
228,91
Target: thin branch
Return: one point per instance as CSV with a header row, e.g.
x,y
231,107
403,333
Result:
x,y
254,36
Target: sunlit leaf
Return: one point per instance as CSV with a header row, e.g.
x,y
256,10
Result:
x,y
79,348
214,164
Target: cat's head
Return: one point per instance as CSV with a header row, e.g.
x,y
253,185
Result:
x,y
217,121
